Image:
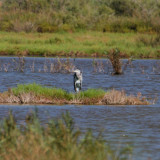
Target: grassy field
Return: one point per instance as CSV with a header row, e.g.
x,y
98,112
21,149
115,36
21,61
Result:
x,y
79,44
37,94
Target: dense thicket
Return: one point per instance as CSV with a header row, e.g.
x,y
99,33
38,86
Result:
x,y
70,15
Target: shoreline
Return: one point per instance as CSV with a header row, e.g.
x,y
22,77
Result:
x,y
74,57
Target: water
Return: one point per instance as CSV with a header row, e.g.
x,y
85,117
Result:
x,y
138,126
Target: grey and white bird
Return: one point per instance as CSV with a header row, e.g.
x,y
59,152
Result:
x,y
77,78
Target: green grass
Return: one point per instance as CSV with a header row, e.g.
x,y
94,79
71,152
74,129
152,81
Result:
x,y
58,140
82,43
92,93
39,90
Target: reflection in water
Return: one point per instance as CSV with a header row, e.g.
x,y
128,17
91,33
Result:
x,y
138,126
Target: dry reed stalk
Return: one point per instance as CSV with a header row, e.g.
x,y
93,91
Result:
x,y
6,67
8,98
63,66
76,101
120,98
98,66
52,68
32,67
19,63
26,98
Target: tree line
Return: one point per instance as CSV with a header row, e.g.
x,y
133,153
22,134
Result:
x,y
73,15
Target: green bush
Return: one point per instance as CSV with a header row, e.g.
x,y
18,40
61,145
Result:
x,y
70,15
6,26
46,27
122,7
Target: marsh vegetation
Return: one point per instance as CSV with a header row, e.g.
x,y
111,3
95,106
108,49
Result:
x,y
59,140
79,44
69,15
37,94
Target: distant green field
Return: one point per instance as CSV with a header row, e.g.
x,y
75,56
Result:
x,y
79,44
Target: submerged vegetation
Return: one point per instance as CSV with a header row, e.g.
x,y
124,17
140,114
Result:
x,y
37,94
59,140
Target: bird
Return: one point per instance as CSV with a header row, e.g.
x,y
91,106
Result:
x,y
77,79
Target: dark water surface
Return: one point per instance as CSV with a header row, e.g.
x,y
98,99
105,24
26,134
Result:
x,y
138,126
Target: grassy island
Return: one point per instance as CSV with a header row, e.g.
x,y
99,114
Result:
x,y
37,94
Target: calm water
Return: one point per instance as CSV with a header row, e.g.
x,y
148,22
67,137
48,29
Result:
x,y
138,126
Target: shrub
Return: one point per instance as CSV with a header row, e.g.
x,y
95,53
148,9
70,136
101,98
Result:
x,y
59,140
46,27
122,7
6,26
114,57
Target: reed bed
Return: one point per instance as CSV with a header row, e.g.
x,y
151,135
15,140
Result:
x,y
55,65
37,94
114,65
58,140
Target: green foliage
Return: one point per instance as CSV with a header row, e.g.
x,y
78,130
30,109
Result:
x,y
59,140
70,15
122,7
6,26
46,27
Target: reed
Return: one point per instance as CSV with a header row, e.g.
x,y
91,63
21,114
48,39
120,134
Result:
x,y
114,97
58,140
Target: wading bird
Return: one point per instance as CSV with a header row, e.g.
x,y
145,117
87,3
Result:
x,y
77,80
